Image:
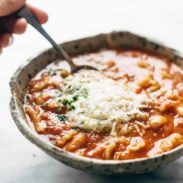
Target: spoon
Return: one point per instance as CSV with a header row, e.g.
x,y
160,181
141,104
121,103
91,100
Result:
x,y
26,13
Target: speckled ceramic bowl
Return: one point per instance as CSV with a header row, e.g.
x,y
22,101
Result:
x,y
32,66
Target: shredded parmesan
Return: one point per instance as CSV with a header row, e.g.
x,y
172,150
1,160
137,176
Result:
x,y
101,102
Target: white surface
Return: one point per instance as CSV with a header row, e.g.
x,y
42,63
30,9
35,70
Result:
x,y
21,161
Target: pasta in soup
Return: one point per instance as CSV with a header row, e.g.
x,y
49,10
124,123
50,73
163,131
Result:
x,y
132,107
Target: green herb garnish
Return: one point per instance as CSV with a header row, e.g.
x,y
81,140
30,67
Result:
x,y
53,72
75,98
62,117
46,104
72,107
82,122
59,100
84,93
67,101
28,97
58,109
75,128
71,89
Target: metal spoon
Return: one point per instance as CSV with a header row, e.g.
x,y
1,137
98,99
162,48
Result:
x,y
26,13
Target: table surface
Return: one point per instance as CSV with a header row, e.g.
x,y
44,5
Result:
x,y
23,162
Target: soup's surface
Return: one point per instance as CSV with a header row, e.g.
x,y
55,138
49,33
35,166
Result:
x,y
131,108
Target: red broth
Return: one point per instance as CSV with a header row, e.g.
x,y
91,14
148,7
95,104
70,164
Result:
x,y
156,77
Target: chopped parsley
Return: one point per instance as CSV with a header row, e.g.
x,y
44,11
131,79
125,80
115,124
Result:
x,y
67,101
58,109
46,104
62,117
59,100
72,107
82,122
75,98
76,128
84,93
71,89
53,72
28,97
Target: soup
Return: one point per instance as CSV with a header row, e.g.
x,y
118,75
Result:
x,y
132,107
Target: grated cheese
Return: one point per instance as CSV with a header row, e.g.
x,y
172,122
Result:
x,y
101,102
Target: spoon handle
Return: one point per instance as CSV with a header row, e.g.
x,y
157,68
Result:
x,y
26,13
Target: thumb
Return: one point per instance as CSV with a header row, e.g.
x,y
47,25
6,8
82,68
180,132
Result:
x,y
8,7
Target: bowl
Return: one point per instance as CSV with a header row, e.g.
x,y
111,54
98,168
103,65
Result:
x,y
25,72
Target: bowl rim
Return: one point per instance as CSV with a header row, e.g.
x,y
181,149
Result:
x,y
52,149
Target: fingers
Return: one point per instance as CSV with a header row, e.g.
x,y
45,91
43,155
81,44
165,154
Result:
x,y
5,40
8,7
19,26
7,24
12,25
41,15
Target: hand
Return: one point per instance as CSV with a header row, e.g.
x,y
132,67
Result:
x,y
10,25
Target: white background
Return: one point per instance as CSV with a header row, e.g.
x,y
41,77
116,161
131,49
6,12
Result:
x,y
21,161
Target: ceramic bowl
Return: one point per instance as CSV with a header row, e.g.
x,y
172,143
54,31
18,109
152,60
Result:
x,y
25,72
